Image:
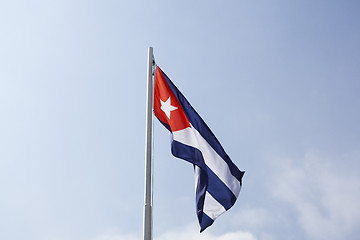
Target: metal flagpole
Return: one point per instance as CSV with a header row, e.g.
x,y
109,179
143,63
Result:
x,y
148,151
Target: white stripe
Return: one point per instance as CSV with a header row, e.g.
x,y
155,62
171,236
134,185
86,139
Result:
x,y
212,208
197,175
191,137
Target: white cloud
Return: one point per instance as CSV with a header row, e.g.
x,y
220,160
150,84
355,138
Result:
x,y
185,233
188,233
237,236
324,192
252,218
114,236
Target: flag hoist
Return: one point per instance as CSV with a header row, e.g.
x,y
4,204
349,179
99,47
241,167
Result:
x,y
218,180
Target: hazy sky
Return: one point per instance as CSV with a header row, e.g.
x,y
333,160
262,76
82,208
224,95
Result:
x,y
278,82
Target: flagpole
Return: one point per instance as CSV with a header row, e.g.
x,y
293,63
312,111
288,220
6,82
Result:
x,y
148,154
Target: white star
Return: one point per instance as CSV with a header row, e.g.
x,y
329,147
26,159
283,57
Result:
x,y
167,107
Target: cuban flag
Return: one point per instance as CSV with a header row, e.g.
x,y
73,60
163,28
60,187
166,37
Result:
x,y
217,179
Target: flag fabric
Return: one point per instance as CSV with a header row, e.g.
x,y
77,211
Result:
x,y
217,180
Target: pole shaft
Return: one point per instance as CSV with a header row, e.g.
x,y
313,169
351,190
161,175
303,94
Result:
x,y
148,153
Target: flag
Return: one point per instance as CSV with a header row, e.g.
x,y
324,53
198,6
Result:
x,y
217,179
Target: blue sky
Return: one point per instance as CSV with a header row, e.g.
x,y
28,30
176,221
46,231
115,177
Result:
x,y
276,81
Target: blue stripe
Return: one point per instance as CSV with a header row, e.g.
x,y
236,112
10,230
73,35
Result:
x,y
188,153
203,129
200,194
206,222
